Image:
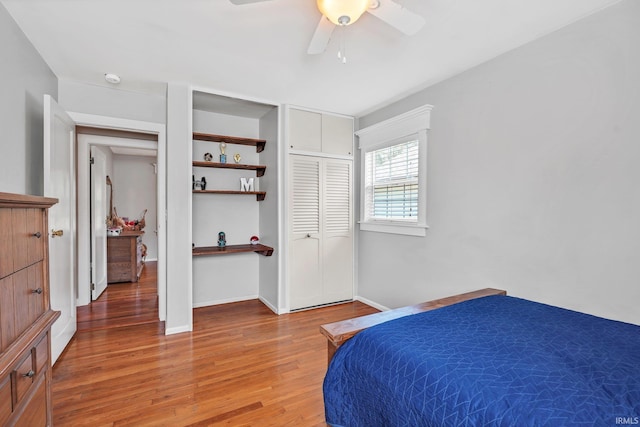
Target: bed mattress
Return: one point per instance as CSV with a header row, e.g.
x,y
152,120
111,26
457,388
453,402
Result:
x,y
492,361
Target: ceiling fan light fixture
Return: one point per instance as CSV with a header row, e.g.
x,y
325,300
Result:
x,y
343,12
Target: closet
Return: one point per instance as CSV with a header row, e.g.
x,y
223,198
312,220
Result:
x,y
320,208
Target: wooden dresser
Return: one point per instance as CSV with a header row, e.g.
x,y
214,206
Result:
x,y
124,257
25,312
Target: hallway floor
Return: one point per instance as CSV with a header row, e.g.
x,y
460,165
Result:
x,y
123,304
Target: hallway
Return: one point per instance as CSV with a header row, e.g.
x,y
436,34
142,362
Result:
x,y
123,304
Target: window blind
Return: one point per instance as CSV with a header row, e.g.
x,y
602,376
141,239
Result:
x,y
392,182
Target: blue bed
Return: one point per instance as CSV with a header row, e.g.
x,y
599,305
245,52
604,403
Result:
x,y
493,361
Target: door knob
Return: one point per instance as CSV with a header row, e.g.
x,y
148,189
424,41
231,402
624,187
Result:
x,y
56,233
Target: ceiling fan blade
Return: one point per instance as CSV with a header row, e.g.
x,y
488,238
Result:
x,y
321,36
398,17
241,2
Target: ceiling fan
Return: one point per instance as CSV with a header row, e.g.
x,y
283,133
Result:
x,y
346,12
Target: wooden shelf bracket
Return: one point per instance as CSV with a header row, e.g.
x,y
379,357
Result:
x,y
232,249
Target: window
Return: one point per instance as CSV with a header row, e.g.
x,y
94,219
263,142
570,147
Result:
x,y
393,182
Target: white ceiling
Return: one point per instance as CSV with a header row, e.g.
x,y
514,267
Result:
x,y
258,51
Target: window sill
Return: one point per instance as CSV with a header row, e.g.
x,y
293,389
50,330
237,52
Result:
x,y
395,228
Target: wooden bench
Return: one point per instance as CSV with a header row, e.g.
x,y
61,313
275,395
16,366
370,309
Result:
x,y
339,332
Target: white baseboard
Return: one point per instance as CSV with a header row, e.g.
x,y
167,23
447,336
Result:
x,y
372,304
269,305
61,336
177,330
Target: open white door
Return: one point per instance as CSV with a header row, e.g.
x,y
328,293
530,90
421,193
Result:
x,y
98,223
59,182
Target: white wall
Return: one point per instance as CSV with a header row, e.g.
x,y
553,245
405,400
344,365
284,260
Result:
x,y
533,177
134,190
218,279
269,229
24,79
112,102
179,268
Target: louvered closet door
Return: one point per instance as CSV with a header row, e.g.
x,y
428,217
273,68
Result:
x,y
305,249
321,231
337,236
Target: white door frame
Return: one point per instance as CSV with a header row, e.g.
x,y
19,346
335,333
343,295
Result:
x,y
98,203
84,240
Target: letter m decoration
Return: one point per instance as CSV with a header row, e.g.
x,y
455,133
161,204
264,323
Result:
x,y
246,184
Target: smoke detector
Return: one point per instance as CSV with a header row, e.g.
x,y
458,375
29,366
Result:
x,y
112,78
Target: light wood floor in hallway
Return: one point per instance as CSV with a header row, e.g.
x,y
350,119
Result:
x,y
242,365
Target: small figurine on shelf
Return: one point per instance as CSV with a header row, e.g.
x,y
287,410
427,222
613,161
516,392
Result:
x,y
208,157
222,240
223,156
236,157
254,240
201,185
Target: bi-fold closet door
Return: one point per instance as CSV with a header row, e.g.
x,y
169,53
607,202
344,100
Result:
x,y
320,230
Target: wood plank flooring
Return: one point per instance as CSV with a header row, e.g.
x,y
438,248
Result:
x,y
123,304
242,366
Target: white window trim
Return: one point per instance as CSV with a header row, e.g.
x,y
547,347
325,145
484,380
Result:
x,y
391,132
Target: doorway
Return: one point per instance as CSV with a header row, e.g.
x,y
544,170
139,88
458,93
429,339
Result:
x,y
123,187
132,138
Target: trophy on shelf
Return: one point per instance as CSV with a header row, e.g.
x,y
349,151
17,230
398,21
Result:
x,y
223,156
222,239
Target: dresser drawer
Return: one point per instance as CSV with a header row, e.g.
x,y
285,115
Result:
x,y
42,354
5,400
23,294
28,237
6,243
120,272
29,293
35,411
22,378
7,320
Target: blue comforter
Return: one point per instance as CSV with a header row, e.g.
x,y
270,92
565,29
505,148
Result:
x,y
493,361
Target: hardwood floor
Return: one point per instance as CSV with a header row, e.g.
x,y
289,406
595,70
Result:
x,y
242,366
123,304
